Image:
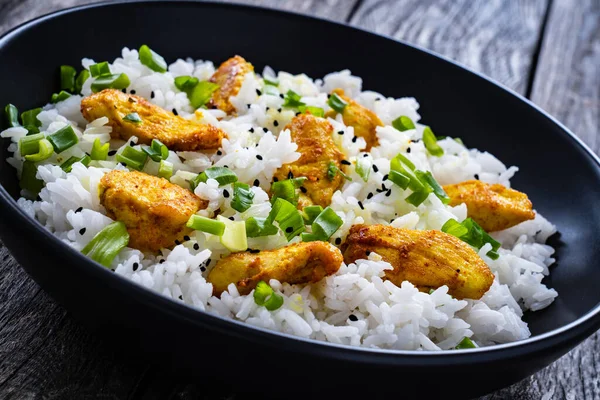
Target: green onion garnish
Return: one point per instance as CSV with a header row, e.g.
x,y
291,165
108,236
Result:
x,y
416,198
99,150
61,96
30,121
288,217
399,179
332,171
455,228
242,197
28,180
81,78
431,143
67,166
186,82
120,81
292,100
459,141
256,226
265,296
337,103
234,238
363,168
286,190
325,225
44,152
157,151
30,144
466,343
133,118
473,234
133,158
63,139
405,167
403,123
201,93
316,111
222,175
100,69
310,213
208,225
107,243
12,115
152,59
428,178
67,78
165,170
271,81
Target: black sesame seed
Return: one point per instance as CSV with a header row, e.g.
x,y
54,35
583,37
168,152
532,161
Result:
x,y
268,108
383,187
82,231
132,143
388,193
354,139
256,183
303,189
385,177
258,92
208,261
259,157
275,179
289,229
290,175
226,193
186,238
538,232
353,317
124,90
265,130
408,150
177,242
298,113
175,112
365,155
328,96
123,164
251,130
202,269
476,176
338,241
79,209
346,162
248,105
152,94
279,110
360,204
231,218
180,297
275,123
281,95
256,145
196,246
368,252
375,169
219,152
132,91
340,132
162,260
225,166
135,266
458,270
369,195
112,152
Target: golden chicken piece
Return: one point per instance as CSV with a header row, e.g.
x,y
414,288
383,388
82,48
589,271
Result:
x,y
315,144
364,121
427,259
494,207
304,262
175,132
154,210
229,76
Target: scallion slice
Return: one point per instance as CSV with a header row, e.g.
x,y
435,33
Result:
x,y
473,234
99,150
316,111
416,198
403,123
288,217
265,296
310,213
107,243
63,139
165,169
156,151
454,228
67,166
234,238
134,118
466,343
271,81
242,197
399,179
292,100
332,171
363,168
405,167
287,190
337,103
116,81
30,121
133,158
431,144
67,78
201,93
30,144
45,150
325,225
61,96
186,82
28,180
12,115
428,178
99,69
81,78
222,175
208,225
152,59
256,226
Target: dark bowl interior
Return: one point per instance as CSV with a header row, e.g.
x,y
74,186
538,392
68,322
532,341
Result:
x,y
559,174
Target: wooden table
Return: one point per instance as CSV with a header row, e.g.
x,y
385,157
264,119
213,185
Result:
x,y
547,50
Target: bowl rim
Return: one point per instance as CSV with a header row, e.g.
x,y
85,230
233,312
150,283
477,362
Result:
x,y
214,322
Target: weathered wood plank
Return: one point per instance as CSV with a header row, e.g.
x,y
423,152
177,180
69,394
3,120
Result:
x,y
495,37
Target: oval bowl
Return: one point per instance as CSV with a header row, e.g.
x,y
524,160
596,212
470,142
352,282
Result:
x,y
557,171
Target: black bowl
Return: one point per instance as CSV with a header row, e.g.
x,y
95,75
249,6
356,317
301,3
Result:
x,y
561,176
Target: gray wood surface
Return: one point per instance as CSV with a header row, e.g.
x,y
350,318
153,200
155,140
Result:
x,y
546,49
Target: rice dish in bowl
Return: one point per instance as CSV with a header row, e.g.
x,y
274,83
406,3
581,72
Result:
x,y
356,302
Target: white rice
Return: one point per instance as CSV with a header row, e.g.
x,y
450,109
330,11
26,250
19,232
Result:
x,y
355,306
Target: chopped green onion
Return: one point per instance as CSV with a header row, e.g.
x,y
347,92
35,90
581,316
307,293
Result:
x,y
200,94
454,228
63,139
186,82
234,238
12,115
208,225
222,175
67,78
133,158
431,143
428,178
133,118
416,198
332,171
403,123
325,225
81,78
30,144
61,96
396,163
292,100
242,197
256,226
286,190
44,152
265,296
288,217
472,234
405,167
120,81
271,81
107,243
337,103
152,59
165,170
99,150
29,118
310,213
28,180
157,151
67,166
99,69
459,141
316,111
399,179
466,343
363,168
